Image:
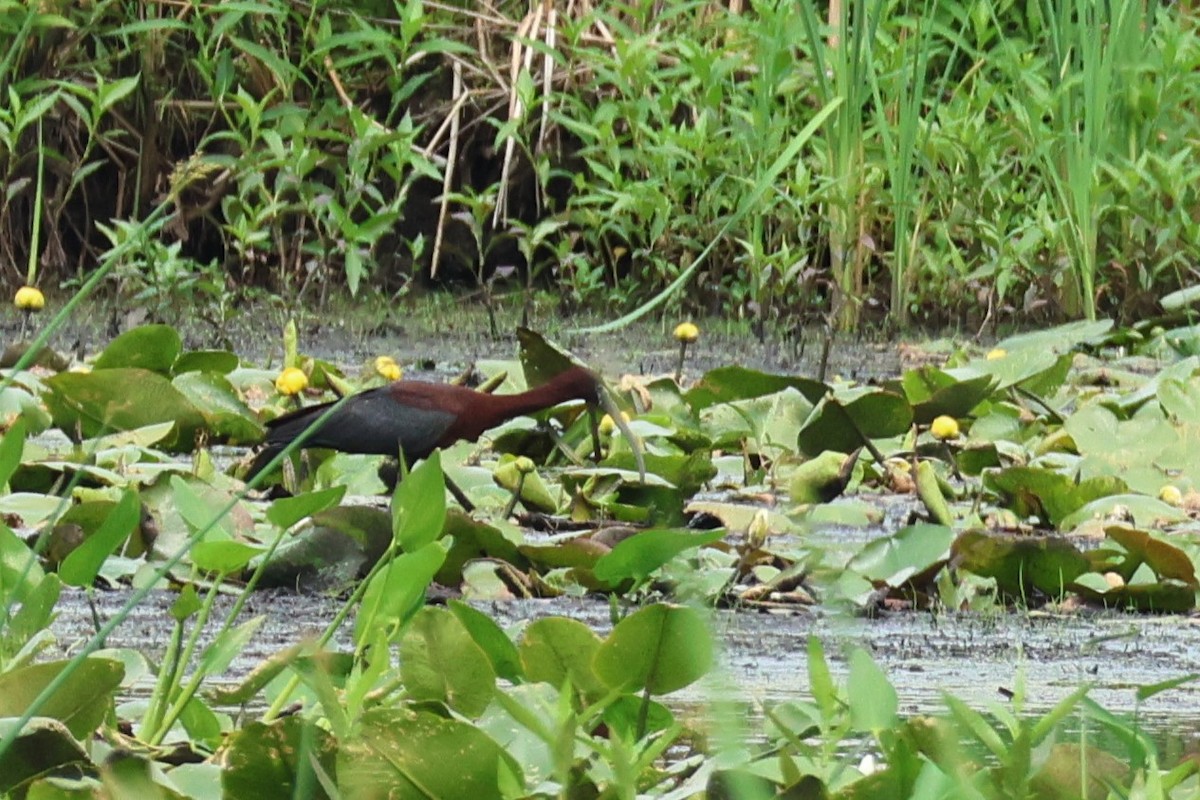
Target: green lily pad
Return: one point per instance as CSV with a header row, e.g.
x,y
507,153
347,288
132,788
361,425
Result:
x,y
933,393
1022,566
725,384
81,702
540,358
220,362
1133,450
660,648
910,553
1162,597
1046,494
42,746
556,649
471,539
500,650
640,555
150,347
1143,547
337,547
105,400
440,661
397,753
228,418
264,760
846,426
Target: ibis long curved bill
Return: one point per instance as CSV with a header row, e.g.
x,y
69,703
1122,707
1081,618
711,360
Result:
x,y
610,407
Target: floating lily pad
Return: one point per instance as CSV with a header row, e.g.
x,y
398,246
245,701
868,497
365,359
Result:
x,y
472,539
264,760
660,648
1023,566
846,426
541,359
726,384
228,418
398,753
150,347
933,393
641,554
911,555
1132,450
1046,494
220,362
1143,547
105,400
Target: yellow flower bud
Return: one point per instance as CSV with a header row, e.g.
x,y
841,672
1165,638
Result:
x,y
291,381
687,332
525,465
607,426
29,298
1171,495
944,428
760,528
388,368
996,354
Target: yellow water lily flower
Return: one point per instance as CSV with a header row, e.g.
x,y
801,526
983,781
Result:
x,y
292,381
1171,495
607,425
29,298
687,332
996,354
944,428
388,368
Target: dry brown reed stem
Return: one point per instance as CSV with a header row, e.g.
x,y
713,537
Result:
x,y
448,176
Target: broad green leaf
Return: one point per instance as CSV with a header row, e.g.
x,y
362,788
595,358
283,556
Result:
x,y
287,511
198,513
1023,566
398,753
333,550
910,552
470,539
556,649
440,661
726,384
223,557
12,444
540,358
271,760
640,555
42,747
873,700
1049,495
221,362
1166,559
661,648
149,347
105,400
933,393
83,563
397,591
227,417
500,650
81,702
419,505
20,572
846,426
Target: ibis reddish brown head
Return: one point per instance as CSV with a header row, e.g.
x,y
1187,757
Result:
x,y
414,417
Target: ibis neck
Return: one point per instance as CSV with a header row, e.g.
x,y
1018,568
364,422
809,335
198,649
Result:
x,y
574,384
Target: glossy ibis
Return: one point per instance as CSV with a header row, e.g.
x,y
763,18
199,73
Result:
x,y
414,417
